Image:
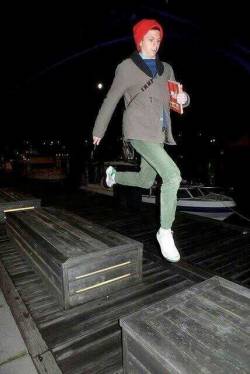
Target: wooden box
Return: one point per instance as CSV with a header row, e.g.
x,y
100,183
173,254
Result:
x,y
204,329
12,201
78,260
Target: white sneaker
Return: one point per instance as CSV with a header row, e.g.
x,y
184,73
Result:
x,y
110,176
168,248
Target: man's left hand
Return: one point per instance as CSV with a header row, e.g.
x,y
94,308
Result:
x,y
181,98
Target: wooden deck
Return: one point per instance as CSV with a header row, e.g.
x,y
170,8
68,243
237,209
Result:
x,y
87,338
208,247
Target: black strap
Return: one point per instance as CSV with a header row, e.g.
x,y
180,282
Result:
x,y
143,88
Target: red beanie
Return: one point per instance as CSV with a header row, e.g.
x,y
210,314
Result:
x,y
142,27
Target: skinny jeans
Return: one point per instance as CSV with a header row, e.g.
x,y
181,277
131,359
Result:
x,y
155,160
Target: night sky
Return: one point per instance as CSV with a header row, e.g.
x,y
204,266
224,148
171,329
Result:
x,y
56,54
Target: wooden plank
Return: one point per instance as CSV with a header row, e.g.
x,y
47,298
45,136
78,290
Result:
x,y
10,194
134,366
244,273
242,299
228,346
202,329
37,347
46,364
190,270
49,277
73,331
215,313
197,347
102,353
11,203
151,284
35,343
12,200
214,253
233,287
227,304
177,361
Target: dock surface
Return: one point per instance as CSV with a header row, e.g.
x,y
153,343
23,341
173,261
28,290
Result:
x,y
87,338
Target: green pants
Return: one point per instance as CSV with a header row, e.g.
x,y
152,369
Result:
x,y
154,159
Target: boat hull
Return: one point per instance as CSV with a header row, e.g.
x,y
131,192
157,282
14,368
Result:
x,y
219,210
219,214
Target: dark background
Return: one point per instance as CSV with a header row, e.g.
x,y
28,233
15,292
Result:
x,y
54,55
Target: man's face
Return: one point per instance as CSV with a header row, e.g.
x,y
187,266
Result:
x,y
150,43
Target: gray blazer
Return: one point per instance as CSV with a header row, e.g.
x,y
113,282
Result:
x,y
144,101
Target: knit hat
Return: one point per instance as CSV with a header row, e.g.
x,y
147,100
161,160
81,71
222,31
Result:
x,y
142,27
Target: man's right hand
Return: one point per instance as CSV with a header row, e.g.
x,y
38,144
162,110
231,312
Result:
x,y
96,140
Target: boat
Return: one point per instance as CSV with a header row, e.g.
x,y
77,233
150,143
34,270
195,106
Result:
x,y
201,200
43,168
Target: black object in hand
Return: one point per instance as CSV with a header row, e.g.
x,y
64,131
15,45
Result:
x,y
92,154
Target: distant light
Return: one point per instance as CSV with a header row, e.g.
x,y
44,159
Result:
x,y
99,86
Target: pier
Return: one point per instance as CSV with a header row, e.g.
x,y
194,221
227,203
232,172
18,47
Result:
x,y
87,338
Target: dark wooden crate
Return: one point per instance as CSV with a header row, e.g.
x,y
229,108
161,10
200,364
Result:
x,y
204,329
78,260
12,201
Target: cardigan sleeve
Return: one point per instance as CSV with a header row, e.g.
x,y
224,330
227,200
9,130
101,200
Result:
x,y
110,102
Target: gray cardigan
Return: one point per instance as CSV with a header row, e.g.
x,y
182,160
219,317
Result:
x,y
144,101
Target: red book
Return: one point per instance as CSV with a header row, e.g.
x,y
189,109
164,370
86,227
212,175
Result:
x,y
175,88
